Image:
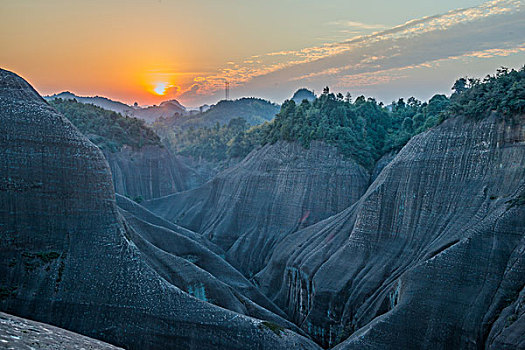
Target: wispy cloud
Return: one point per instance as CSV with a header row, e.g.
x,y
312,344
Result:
x,y
492,29
358,25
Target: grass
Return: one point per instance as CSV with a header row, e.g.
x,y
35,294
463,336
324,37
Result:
x,y
35,260
277,329
520,200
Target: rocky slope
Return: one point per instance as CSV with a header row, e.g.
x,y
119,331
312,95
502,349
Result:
x,y
68,256
432,256
20,333
194,264
150,172
276,190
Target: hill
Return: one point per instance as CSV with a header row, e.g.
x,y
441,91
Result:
x,y
70,257
107,129
166,109
142,168
303,94
102,102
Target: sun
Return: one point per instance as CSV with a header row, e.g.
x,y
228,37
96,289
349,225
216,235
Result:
x,y
160,88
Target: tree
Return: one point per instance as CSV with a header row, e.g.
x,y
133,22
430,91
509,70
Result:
x,y
460,86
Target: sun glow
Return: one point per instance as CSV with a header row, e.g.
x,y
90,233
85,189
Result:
x,y
160,88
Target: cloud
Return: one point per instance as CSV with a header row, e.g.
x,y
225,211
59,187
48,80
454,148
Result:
x,y
492,29
191,93
358,25
172,90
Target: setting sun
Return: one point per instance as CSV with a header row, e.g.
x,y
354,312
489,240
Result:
x,y
160,88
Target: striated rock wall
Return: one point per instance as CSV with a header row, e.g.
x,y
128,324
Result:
x,y
432,255
67,256
189,263
150,172
275,190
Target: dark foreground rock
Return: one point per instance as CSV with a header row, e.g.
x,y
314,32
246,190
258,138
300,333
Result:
x,y
19,333
276,190
67,255
431,257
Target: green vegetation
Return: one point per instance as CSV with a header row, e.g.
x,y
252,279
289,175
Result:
x,y
215,143
6,292
510,320
503,92
218,134
303,94
520,200
107,129
363,130
254,110
61,268
273,327
35,260
47,256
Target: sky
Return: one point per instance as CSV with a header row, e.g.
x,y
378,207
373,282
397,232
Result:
x,y
147,51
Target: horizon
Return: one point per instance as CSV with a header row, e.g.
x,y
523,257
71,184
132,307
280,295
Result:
x,y
410,49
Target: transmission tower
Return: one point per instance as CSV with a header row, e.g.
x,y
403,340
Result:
x,y
227,90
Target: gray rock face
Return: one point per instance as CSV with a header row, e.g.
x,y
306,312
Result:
x,y
150,172
274,191
431,257
19,333
67,256
186,262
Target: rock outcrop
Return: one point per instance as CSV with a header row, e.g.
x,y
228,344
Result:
x,y
193,264
149,172
68,256
20,333
274,191
431,257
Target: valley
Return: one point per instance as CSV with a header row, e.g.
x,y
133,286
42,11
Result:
x,y
327,223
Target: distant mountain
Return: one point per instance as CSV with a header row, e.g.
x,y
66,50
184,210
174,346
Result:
x,y
166,109
303,94
254,110
99,101
132,149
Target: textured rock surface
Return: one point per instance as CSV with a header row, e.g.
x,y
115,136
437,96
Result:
x,y
150,172
185,262
19,333
66,254
276,190
432,256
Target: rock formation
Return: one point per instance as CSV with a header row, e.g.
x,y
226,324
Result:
x,y
193,264
149,172
20,333
68,256
432,255
276,190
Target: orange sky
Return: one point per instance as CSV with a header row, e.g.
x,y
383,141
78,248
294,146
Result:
x,y
125,50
